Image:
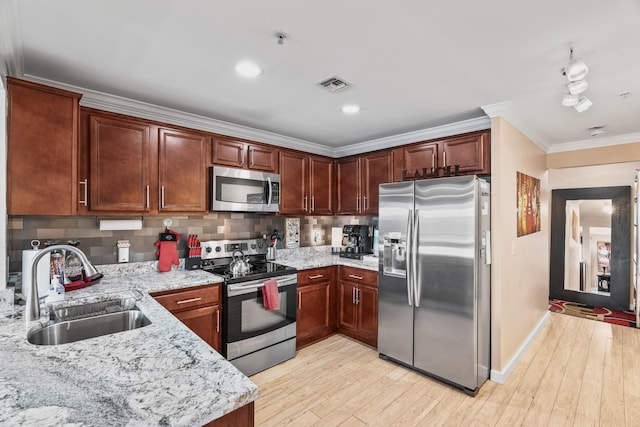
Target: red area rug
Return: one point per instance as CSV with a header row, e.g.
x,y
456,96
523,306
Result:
x,y
624,318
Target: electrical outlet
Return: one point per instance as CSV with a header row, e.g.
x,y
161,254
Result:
x,y
316,236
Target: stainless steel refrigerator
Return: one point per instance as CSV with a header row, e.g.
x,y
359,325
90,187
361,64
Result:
x,y
434,278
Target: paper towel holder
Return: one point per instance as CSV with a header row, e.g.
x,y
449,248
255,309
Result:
x,y
110,224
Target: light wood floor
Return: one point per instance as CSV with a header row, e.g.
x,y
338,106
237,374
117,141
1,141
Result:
x,y
577,372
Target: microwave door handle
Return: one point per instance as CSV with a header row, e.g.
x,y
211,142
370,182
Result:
x,y
269,192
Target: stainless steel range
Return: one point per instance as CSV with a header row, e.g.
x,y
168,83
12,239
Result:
x,y
253,338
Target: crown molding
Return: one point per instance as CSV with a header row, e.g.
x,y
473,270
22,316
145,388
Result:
x,y
507,111
596,143
10,41
470,125
118,104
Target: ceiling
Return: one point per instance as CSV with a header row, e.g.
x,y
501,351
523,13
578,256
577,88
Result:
x,y
413,65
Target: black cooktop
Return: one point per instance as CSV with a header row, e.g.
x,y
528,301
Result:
x,y
259,270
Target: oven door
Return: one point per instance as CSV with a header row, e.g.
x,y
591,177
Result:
x,y
245,316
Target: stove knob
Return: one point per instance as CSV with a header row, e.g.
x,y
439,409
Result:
x,y
208,249
218,248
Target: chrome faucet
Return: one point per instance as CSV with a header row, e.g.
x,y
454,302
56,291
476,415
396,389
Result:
x,y
33,299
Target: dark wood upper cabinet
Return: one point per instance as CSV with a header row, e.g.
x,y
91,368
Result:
x,y
321,185
348,179
469,152
182,171
294,168
306,184
42,149
377,168
244,154
358,180
119,178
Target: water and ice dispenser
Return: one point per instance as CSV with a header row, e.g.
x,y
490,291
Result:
x,y
394,255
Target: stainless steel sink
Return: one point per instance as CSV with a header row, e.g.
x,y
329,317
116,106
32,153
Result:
x,y
88,327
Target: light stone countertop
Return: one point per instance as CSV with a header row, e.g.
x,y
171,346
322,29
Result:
x,y
320,256
160,374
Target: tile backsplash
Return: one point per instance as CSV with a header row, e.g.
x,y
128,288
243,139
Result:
x,y
101,246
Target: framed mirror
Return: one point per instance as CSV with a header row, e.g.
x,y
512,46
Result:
x,y
590,246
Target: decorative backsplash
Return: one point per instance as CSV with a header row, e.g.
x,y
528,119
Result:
x,y
101,246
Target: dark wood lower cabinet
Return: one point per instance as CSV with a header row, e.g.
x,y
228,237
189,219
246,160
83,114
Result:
x,y
358,300
199,309
241,417
316,314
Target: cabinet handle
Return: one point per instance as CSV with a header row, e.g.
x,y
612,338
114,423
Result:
x,y
353,276
162,197
148,205
313,204
357,295
357,203
85,201
184,301
353,295
218,320
364,203
305,203
444,158
317,276
299,301
433,160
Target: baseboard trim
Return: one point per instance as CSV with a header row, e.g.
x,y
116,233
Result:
x,y
501,376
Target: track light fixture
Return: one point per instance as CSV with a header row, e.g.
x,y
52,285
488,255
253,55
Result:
x,y
575,71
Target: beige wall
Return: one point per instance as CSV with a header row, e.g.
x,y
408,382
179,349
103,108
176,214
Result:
x,y
520,270
595,156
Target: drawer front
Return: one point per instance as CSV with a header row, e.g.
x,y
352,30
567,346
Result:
x,y
358,275
186,299
315,275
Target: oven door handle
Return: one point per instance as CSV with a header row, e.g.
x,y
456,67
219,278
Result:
x,y
244,287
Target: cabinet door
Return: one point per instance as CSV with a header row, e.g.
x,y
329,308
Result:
x,y
204,322
293,183
42,130
261,157
470,152
347,311
377,168
321,185
367,298
181,170
414,158
313,316
227,152
119,165
348,177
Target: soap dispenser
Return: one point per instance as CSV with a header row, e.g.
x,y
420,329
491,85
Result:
x,y
56,290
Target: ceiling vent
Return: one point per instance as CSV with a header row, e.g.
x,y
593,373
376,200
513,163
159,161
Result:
x,y
334,84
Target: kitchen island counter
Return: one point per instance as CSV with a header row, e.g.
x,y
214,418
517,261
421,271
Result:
x,y
160,374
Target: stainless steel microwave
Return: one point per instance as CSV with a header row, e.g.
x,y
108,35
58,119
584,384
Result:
x,y
241,190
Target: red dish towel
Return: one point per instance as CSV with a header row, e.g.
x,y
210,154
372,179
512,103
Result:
x,y
270,295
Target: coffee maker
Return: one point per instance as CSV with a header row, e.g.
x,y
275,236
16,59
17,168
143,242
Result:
x,y
357,241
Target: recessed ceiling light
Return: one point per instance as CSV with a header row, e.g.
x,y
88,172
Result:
x,y
596,130
248,69
351,109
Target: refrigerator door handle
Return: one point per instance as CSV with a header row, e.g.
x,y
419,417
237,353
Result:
x,y
408,252
414,258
